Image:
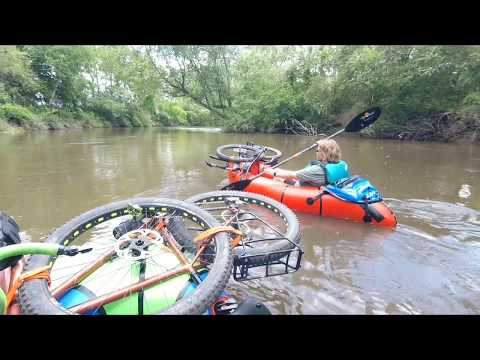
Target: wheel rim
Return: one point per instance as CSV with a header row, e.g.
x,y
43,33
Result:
x,y
237,152
245,153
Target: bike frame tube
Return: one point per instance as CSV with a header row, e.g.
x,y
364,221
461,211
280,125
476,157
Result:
x,y
81,275
28,249
115,295
174,245
189,267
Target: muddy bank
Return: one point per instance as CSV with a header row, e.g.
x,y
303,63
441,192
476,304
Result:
x,y
456,127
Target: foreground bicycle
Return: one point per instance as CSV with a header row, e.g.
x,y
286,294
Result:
x,y
137,256
147,265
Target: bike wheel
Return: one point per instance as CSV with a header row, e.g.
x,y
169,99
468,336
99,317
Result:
x,y
278,222
149,260
245,153
236,152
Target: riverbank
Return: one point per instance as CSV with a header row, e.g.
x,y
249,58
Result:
x,y
8,128
460,126
16,119
456,127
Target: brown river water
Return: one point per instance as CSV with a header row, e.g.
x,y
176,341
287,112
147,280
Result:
x,y
429,265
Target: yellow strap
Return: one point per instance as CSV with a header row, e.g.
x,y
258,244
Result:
x,y
208,234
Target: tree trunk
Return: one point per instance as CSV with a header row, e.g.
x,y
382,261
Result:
x,y
52,97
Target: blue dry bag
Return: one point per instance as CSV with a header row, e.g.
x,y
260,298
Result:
x,y
355,189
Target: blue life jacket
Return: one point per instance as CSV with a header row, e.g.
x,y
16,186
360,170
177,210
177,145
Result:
x,y
336,171
333,171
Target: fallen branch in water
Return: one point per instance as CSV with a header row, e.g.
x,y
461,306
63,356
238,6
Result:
x,y
302,128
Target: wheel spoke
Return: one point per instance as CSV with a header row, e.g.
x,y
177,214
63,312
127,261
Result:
x,y
81,275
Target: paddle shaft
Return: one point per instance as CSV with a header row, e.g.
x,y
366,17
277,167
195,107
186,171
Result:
x,y
296,155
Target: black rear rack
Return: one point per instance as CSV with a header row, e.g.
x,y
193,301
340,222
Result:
x,y
262,264
274,265
279,262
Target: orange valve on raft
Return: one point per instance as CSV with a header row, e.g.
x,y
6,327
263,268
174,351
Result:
x,y
333,201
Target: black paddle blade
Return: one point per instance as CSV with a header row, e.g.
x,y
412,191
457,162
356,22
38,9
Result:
x,y
364,120
238,186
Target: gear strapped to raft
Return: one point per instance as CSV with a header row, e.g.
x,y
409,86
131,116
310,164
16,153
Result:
x,y
355,190
243,261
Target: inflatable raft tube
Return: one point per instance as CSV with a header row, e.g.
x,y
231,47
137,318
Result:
x,y
313,200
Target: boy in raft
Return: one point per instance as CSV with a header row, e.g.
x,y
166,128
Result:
x,y
327,169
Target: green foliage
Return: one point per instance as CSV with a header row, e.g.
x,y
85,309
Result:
x,y
92,120
3,125
60,70
269,93
237,123
17,83
193,114
171,113
201,73
112,111
472,99
17,115
4,95
198,116
287,89
139,118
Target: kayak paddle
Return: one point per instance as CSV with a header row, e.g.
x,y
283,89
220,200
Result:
x,y
359,122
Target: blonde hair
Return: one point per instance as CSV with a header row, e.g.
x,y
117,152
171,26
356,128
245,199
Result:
x,y
331,150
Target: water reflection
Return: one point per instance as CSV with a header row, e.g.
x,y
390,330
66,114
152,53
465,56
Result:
x,y
408,271
465,191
